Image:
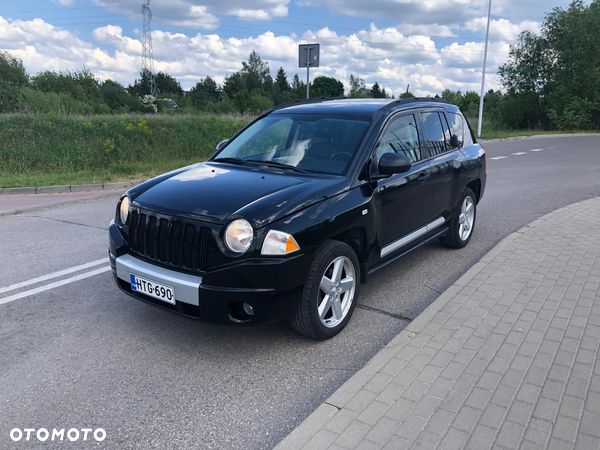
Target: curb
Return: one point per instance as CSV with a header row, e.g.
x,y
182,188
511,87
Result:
x,y
101,194
300,436
535,136
66,188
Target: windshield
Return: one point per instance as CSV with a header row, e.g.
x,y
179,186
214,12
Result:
x,y
315,144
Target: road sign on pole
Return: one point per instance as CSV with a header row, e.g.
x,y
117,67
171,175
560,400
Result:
x,y
308,56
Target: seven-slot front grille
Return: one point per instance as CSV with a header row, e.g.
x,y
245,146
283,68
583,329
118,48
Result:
x,y
171,242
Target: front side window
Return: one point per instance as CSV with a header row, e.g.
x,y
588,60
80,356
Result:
x,y
434,138
400,136
311,143
457,130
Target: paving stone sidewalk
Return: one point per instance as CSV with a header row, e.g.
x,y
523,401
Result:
x,y
507,357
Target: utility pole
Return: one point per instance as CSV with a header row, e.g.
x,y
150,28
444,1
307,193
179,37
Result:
x,y
485,52
147,54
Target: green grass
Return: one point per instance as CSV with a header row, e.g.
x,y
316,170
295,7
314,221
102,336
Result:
x,y
37,150
506,134
41,150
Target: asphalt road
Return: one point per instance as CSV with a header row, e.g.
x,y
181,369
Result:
x,y
82,354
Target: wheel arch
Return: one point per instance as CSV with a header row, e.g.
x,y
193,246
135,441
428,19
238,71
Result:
x,y
357,240
475,186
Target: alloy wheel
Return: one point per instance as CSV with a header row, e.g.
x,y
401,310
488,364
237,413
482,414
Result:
x,y
466,218
336,291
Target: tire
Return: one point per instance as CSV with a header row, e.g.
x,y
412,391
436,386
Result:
x,y
342,296
456,236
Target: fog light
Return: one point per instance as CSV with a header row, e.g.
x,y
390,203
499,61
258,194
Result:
x,y
248,309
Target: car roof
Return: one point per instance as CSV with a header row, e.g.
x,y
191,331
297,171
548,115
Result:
x,y
357,106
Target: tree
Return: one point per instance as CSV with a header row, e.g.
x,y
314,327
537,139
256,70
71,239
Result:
x,y
12,70
251,102
255,72
326,87
79,84
204,92
116,97
298,87
281,80
167,85
13,77
376,91
555,75
234,83
407,94
141,86
470,104
357,87
527,68
454,97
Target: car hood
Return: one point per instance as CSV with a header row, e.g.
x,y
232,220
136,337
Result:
x,y
217,192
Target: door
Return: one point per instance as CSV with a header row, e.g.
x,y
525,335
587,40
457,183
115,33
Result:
x,y
442,147
404,200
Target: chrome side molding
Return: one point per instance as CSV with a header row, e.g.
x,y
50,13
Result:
x,y
412,236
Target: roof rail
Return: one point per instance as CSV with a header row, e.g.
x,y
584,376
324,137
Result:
x,y
392,103
304,101
402,101
408,101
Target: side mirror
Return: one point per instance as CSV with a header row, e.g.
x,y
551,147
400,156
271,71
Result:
x,y
392,163
222,144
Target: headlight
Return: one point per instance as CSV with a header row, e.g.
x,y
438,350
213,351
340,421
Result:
x,y
279,243
124,210
239,235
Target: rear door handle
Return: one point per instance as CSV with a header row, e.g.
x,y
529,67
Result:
x,y
422,177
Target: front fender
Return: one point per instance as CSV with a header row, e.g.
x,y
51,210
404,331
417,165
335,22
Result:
x,y
350,210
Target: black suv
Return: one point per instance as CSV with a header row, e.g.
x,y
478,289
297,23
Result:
x,y
292,214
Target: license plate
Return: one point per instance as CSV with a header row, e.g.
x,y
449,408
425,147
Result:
x,y
152,288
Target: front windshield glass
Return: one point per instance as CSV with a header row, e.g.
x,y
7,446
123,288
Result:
x,y
315,144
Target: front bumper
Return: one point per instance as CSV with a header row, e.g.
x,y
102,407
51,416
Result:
x,y
271,286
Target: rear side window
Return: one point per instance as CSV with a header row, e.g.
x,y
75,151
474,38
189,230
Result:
x,y
434,138
457,130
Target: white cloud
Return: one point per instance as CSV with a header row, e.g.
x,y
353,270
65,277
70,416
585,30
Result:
x,y
201,14
502,29
427,30
442,12
389,56
518,10
429,12
470,54
113,35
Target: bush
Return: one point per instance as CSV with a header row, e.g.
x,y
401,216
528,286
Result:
x,y
577,114
36,101
109,146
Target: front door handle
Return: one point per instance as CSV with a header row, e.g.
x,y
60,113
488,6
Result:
x,y
422,177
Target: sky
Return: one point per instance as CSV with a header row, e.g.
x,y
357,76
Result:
x,y
430,45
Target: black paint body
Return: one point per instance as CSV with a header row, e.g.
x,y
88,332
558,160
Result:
x,y
365,212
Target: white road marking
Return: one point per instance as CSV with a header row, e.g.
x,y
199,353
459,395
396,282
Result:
x,y
495,158
56,284
536,150
519,153
52,275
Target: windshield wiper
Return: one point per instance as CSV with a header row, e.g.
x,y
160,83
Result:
x,y
279,165
240,161
231,160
